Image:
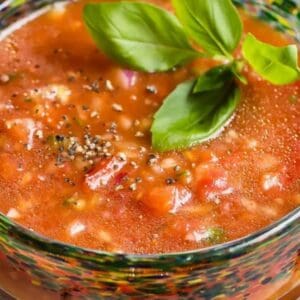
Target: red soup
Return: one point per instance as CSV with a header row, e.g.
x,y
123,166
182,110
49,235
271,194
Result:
x,y
76,158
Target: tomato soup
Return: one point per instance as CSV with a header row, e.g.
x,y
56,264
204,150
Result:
x,y
75,147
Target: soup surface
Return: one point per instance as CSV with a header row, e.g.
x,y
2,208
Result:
x,y
75,147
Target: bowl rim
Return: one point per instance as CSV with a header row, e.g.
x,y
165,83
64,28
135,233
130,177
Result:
x,y
233,248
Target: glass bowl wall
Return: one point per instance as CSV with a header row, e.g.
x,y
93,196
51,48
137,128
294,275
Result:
x,y
260,266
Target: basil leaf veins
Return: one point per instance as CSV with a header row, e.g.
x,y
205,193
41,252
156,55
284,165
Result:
x,y
187,118
279,65
213,79
213,24
139,35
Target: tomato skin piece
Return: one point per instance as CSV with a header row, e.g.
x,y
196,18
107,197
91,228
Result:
x,y
159,200
103,174
166,199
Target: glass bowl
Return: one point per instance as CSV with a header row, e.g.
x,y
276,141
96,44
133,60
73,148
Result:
x,y
264,265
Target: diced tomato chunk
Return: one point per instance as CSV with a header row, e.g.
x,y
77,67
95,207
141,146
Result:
x,y
210,174
103,173
166,199
211,181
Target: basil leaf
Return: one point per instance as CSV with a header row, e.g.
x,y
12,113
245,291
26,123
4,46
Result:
x,y
186,119
138,35
275,64
214,25
213,79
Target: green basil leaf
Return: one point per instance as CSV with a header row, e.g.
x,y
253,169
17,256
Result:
x,y
186,119
214,25
279,65
138,35
213,79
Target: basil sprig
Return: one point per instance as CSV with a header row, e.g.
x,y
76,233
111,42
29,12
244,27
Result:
x,y
145,37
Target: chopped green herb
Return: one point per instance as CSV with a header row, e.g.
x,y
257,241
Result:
x,y
74,202
216,235
294,99
79,122
51,140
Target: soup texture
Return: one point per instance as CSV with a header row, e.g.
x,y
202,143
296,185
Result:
x,y
75,147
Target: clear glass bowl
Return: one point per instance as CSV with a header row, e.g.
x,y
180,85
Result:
x,y
264,265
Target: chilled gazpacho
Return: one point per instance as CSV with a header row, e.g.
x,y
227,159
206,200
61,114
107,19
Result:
x,y
173,142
